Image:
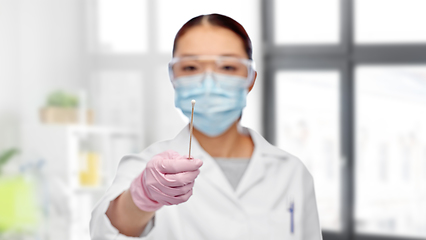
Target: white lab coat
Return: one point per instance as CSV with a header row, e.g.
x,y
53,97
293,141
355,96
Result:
x,y
258,209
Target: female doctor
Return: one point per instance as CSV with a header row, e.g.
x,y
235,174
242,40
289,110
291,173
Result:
x,y
235,185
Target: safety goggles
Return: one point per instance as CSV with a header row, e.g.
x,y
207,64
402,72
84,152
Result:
x,y
195,68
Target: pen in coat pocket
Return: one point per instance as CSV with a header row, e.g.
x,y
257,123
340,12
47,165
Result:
x,y
291,210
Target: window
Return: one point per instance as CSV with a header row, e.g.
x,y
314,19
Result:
x,y
122,26
306,22
391,130
117,95
345,82
390,21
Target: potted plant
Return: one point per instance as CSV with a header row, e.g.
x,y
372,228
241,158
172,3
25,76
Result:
x,y
62,108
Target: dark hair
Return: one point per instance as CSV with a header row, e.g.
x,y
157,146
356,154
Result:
x,y
220,21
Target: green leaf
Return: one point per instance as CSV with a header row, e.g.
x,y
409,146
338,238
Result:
x,y
7,155
62,99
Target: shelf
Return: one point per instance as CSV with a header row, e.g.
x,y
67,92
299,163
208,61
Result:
x,y
88,189
94,129
102,130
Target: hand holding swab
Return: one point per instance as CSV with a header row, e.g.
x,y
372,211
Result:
x,y
191,126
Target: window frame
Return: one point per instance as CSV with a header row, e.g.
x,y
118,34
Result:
x,y
344,57
142,62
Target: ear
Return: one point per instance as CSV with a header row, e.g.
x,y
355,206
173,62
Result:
x,y
254,80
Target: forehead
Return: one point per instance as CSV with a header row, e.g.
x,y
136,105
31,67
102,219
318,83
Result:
x,y
210,40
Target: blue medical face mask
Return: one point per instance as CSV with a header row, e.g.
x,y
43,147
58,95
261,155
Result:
x,y
220,100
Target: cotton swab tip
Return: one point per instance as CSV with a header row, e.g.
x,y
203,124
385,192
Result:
x,y
193,102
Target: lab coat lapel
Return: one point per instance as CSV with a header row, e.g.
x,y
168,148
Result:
x,y
213,174
263,156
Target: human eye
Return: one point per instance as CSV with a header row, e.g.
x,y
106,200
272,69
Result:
x,y
229,67
232,68
189,67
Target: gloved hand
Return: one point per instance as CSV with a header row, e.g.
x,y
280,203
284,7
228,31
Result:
x,y
167,180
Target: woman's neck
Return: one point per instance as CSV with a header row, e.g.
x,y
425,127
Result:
x,y
230,144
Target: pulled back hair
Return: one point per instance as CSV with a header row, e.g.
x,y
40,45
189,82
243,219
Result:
x,y
220,21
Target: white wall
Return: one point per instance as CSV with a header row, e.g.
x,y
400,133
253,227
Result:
x,y
9,74
41,50
51,57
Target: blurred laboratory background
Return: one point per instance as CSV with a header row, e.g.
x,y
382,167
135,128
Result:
x,y
341,85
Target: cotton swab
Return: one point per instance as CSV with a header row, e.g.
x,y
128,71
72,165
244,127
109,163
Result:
x,y
191,127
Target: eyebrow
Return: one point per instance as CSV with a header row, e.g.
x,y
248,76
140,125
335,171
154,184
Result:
x,y
231,55
224,55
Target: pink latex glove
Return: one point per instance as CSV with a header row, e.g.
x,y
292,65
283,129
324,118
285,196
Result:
x,y
167,180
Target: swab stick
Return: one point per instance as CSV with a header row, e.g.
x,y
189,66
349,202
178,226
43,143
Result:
x,y
191,127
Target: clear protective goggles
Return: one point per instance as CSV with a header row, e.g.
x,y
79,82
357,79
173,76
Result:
x,y
195,68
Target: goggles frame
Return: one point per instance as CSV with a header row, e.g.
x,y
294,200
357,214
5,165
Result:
x,y
217,58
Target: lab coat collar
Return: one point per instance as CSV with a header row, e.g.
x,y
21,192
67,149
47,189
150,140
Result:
x,y
263,155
